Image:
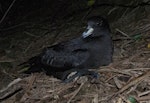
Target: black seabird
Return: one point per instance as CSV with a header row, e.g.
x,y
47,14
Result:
x,y
90,51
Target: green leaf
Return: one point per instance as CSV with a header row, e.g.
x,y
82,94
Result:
x,y
23,69
90,2
137,37
132,99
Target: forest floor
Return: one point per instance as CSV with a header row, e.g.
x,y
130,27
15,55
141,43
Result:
x,y
126,80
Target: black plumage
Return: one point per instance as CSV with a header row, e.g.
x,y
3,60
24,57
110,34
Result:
x,y
91,50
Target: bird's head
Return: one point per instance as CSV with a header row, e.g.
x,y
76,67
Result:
x,y
97,26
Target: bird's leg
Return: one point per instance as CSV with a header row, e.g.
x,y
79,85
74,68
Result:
x,y
66,75
79,73
93,74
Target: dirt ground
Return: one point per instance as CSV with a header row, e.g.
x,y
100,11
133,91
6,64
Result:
x,y
126,80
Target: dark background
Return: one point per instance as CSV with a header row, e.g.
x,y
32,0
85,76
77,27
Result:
x,y
52,10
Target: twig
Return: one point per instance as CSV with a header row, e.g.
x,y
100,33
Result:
x,y
63,88
145,98
95,100
28,47
77,91
89,11
131,83
123,98
134,81
117,82
109,5
30,82
30,34
123,6
136,69
144,93
114,70
12,27
10,90
132,88
110,11
124,34
5,14
9,94
11,84
6,60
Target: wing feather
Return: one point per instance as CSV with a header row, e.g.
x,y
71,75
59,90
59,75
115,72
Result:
x,y
62,59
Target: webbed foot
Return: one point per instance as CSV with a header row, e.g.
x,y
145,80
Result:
x,y
78,73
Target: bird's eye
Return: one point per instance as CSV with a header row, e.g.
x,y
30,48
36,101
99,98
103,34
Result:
x,y
99,23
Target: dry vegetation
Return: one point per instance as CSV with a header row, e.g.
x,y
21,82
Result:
x,y
126,79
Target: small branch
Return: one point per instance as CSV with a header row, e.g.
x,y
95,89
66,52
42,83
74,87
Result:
x,y
12,27
10,90
76,92
124,34
108,5
134,81
122,5
10,94
5,14
11,84
30,34
144,93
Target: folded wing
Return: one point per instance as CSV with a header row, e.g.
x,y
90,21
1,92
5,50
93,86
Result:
x,y
64,59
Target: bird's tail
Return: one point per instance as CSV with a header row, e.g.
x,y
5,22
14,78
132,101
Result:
x,y
31,66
